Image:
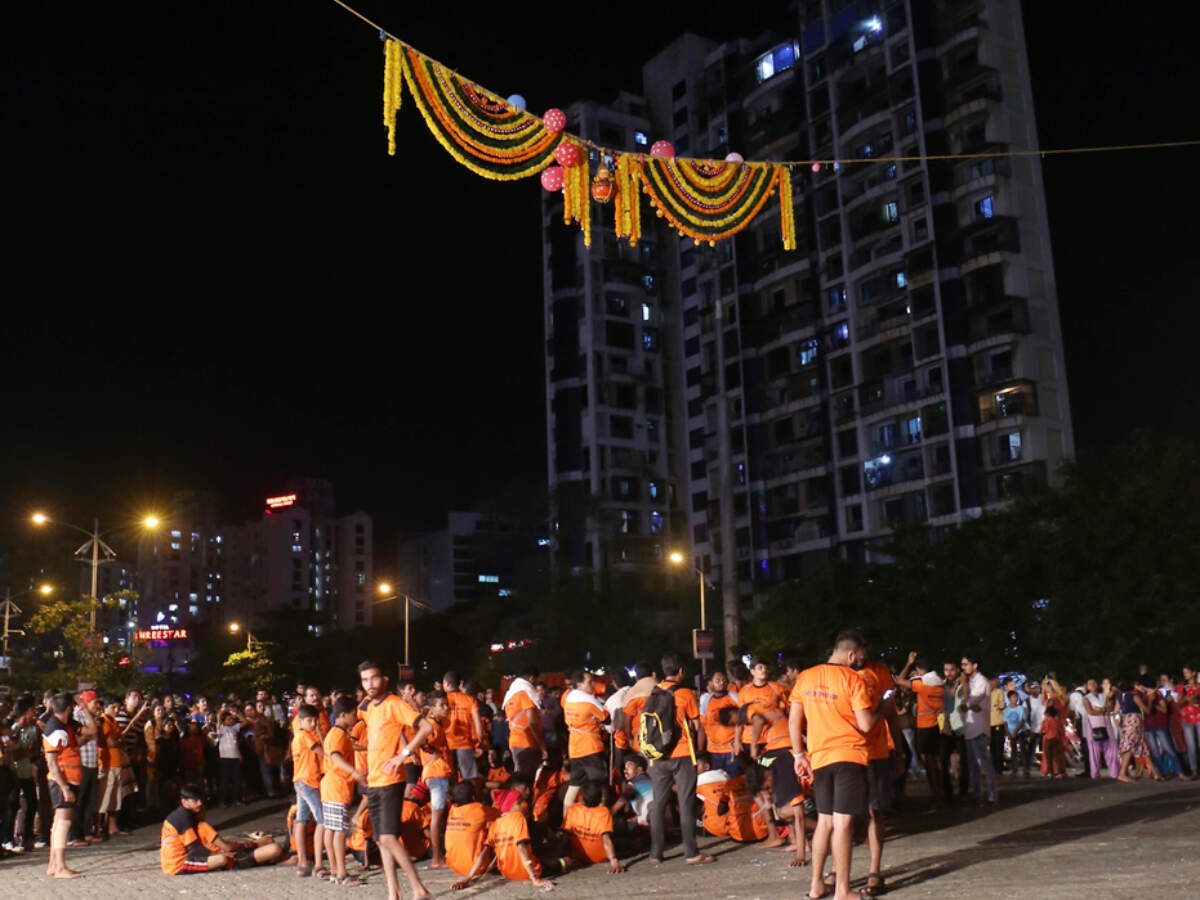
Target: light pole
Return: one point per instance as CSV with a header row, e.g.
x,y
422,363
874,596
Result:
x,y
95,546
11,609
234,627
678,559
386,590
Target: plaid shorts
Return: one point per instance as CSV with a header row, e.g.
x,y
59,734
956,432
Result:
x,y
335,816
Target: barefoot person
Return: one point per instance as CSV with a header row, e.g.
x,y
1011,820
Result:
x,y
189,844
65,770
839,710
387,716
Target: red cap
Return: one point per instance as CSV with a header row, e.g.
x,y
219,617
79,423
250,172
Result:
x,y
87,696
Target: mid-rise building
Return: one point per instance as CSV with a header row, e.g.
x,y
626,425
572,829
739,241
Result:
x,y
903,365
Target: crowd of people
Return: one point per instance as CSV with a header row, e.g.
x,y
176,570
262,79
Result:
x,y
550,773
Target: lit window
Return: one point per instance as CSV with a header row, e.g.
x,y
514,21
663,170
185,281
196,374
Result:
x,y
891,212
645,312
656,522
890,171
176,534
1012,445
985,208
901,280
639,138
842,331
837,298
778,60
504,592
175,545
489,579
652,488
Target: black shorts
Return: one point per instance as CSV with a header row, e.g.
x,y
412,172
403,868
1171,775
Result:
x,y
412,773
593,768
57,801
929,741
385,806
526,760
841,788
880,775
782,767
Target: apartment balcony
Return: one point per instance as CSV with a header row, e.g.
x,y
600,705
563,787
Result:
x,y
1000,487
980,240
1005,319
1011,403
784,123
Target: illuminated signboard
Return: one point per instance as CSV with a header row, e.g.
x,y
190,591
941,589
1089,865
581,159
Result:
x,y
281,502
160,633
501,647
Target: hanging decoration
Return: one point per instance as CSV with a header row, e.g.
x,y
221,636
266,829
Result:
x,y
489,136
602,185
552,178
709,200
628,206
555,120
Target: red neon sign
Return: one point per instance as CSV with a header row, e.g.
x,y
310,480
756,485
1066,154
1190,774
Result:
x,y
281,501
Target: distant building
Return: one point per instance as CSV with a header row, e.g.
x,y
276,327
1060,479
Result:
x,y
475,557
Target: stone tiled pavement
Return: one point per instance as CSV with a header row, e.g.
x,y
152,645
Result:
x,y
1045,840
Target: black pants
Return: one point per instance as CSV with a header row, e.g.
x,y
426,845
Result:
x,y
231,781
45,809
996,746
86,801
951,744
682,773
24,790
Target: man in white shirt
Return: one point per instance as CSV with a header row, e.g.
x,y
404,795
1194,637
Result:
x,y
976,729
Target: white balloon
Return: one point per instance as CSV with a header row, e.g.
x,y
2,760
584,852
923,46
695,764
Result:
x,y
517,100
734,157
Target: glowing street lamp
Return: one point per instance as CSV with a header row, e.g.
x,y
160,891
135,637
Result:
x,y
235,627
678,559
386,590
95,546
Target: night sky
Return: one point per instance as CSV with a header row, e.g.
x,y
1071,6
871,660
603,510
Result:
x,y
215,277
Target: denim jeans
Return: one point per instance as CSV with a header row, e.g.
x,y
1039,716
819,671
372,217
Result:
x,y
983,775
1191,735
726,762
268,774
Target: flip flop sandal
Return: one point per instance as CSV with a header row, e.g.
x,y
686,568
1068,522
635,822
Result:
x,y
303,871
351,881
876,889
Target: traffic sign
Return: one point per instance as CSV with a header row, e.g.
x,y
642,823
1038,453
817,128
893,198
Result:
x,y
703,643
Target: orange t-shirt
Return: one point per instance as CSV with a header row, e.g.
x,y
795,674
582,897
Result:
x,y
686,708
460,727
59,738
337,786
506,833
712,787
762,699
930,700
386,721
414,820
587,826
583,714
633,715
466,830
829,695
545,789
743,821
306,765
358,734
435,762
360,831
524,721
109,757
180,830
310,828
500,775
720,737
878,679
323,723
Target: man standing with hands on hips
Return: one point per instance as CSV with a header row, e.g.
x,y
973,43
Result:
x,y
838,707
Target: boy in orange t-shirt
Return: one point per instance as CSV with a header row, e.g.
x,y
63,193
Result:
x,y
466,827
712,787
337,788
508,842
307,753
436,771
839,711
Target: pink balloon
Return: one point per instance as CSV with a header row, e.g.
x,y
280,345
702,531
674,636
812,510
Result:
x,y
735,157
567,154
555,120
552,178
816,167
662,148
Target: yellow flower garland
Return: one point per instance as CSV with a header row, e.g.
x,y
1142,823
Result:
x,y
392,93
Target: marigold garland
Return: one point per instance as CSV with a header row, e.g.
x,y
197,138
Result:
x,y
481,131
708,201
787,211
627,202
392,90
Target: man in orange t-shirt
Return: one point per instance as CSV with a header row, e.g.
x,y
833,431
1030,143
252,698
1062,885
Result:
x,y
466,827
721,737
387,717
885,755
583,715
590,827
508,842
464,728
678,769
930,695
835,703
525,738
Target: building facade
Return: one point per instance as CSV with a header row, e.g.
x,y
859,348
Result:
x,y
903,365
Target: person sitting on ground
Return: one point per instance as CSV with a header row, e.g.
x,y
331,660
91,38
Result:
x,y
589,826
712,787
466,827
749,819
508,842
631,812
550,778
497,774
189,844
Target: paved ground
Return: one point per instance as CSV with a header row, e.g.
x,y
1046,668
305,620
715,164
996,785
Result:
x,y
1045,840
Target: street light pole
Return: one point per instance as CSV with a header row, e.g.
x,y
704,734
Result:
x,y
95,568
9,609
387,589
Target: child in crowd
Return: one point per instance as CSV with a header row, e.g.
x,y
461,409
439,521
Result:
x,y
436,771
191,748
712,787
589,827
1052,744
508,843
1016,724
466,827
307,753
337,789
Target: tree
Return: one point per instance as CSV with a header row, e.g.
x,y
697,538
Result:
x,y
61,627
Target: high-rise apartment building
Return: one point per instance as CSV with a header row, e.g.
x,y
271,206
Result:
x,y
904,364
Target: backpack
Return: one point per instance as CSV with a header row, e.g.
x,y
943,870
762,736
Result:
x,y
658,732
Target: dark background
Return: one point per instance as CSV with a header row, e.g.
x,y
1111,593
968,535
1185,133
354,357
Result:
x,y
216,278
